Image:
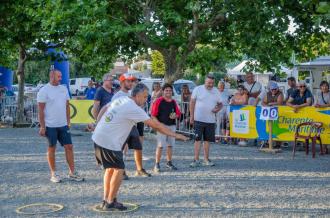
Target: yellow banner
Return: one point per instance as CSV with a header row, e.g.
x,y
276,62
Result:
x,y
245,122
81,111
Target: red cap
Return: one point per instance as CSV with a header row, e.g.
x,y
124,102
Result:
x,y
126,76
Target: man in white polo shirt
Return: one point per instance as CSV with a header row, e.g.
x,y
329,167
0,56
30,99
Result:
x,y
118,117
54,118
204,104
253,87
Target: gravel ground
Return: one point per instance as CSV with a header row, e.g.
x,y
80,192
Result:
x,y
244,182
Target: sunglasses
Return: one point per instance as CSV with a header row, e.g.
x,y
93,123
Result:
x,y
301,86
274,89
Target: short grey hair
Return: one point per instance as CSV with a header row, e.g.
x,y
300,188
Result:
x,y
106,76
140,87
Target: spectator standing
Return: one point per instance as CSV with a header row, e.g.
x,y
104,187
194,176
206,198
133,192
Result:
x,y
166,111
223,114
134,140
54,118
253,88
185,99
103,94
118,118
323,97
204,104
156,91
90,91
300,98
292,89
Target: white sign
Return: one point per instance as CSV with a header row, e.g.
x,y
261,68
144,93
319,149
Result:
x,y
269,113
241,121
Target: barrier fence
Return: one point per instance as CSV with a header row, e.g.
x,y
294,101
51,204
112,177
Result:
x,y
8,110
243,120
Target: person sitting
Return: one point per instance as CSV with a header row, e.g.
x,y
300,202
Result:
x,y
300,98
273,97
240,98
323,97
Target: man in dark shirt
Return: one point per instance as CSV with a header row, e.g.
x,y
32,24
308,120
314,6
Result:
x,y
301,97
166,111
103,94
292,89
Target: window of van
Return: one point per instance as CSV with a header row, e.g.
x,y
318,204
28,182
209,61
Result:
x,y
72,82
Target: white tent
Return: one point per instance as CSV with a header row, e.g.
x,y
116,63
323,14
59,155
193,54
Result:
x,y
316,68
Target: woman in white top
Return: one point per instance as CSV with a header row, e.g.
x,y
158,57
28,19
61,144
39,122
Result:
x,y
222,127
323,97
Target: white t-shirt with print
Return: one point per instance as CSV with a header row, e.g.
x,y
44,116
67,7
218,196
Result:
x,y
206,100
116,123
55,98
252,89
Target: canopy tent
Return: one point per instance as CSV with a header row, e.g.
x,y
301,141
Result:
x,y
238,70
316,68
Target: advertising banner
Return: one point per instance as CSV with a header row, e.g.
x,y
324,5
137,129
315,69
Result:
x,y
248,122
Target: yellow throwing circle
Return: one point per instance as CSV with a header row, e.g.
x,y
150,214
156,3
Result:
x,y
130,208
52,208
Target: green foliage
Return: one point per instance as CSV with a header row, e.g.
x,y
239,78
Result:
x,y
158,64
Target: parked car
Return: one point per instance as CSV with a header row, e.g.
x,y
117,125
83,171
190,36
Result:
x,y
78,85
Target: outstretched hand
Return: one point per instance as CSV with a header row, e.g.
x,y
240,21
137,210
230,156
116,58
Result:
x,y
181,137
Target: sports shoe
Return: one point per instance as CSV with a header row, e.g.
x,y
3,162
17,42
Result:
x,y
242,143
195,163
55,179
75,177
114,206
157,168
208,162
142,172
170,166
125,177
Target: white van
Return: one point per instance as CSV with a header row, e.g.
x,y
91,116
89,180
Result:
x,y
78,85
177,85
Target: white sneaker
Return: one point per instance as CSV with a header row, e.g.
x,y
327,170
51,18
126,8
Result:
x,y
242,143
208,163
76,177
195,163
55,179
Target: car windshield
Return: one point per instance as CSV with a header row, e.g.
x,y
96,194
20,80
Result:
x,y
178,87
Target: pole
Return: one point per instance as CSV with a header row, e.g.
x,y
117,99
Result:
x,y
270,139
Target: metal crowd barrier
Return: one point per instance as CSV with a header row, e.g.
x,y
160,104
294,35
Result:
x,y
8,110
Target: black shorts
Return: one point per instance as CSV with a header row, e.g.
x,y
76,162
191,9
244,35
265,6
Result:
x,y
61,134
133,139
140,128
108,158
204,131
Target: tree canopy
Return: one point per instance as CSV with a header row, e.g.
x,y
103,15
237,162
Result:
x,y
99,30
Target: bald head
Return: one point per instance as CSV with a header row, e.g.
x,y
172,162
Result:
x,y
55,77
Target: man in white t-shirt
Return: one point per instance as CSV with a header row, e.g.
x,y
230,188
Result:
x,y
118,117
204,104
135,138
253,87
54,118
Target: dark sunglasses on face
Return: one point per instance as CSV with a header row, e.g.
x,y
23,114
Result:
x,y
301,86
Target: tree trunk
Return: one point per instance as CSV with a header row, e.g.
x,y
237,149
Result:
x,y
21,81
173,68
